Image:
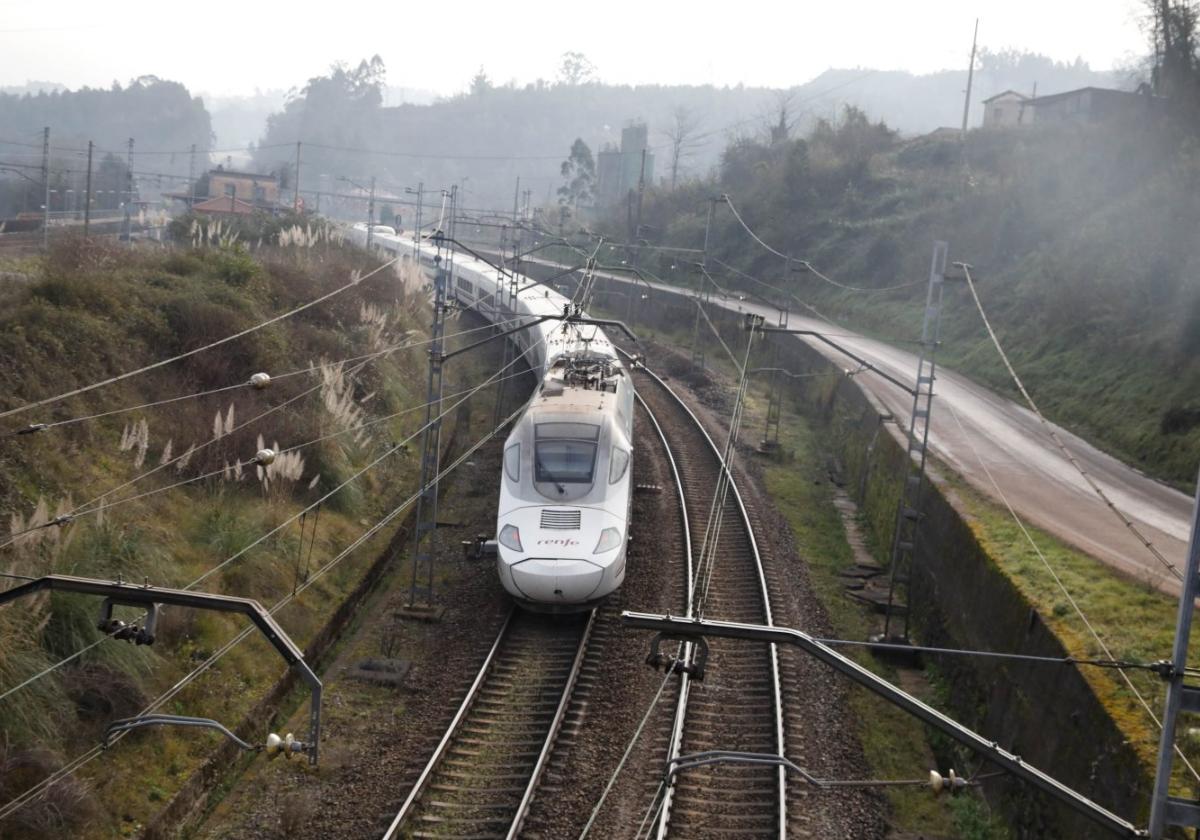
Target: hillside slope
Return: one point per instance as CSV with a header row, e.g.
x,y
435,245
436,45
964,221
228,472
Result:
x,y
89,311
1082,241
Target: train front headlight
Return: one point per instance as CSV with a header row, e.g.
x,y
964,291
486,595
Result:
x,y
510,538
610,538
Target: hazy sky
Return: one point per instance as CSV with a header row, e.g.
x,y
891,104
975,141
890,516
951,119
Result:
x,y
230,47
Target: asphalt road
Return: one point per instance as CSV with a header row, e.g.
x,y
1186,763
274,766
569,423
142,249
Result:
x,y
1029,469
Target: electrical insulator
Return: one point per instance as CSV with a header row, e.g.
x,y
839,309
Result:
x,y
287,745
264,457
951,782
260,380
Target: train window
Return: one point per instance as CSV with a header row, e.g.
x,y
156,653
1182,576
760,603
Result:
x,y
512,462
581,431
465,285
564,461
618,465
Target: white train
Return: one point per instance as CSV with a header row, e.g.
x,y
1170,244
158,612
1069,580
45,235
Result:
x,y
565,496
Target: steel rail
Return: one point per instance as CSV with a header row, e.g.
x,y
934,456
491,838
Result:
x,y
776,683
412,802
472,693
555,725
675,742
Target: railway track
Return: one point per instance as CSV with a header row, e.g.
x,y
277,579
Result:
x,y
738,705
481,779
483,774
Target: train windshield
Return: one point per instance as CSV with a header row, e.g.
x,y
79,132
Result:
x,y
565,453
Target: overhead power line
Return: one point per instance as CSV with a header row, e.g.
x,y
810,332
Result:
x,y
1058,581
247,383
467,394
807,264
113,379
1096,488
34,792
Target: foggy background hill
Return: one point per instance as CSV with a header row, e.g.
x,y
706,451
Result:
x,y
489,135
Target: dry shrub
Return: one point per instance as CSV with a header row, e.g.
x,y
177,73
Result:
x,y
296,811
102,694
60,812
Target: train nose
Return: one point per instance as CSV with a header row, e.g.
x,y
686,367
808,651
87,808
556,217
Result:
x,y
555,580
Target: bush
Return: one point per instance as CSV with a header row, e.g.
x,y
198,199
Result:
x,y
60,812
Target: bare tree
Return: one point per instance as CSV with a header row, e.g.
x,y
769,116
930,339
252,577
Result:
x,y
575,69
683,138
779,120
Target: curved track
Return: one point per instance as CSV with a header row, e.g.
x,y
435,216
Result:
x,y
738,705
483,774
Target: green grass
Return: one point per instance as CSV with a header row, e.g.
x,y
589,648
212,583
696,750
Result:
x,y
892,741
1134,620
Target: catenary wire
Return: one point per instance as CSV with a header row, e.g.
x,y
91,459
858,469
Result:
x,y
356,280
1059,583
34,792
468,392
310,369
807,264
637,734
1096,488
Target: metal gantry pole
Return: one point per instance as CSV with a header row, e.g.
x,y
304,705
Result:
x,y
908,514
427,500
1165,809
505,306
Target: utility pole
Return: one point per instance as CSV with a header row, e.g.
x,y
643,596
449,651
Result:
x,y
702,293
192,178
637,231
1166,809
417,229
970,78
87,201
46,187
908,514
296,199
371,214
127,228
770,442
517,200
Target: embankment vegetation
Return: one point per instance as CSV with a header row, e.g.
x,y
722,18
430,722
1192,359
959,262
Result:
x,y
90,310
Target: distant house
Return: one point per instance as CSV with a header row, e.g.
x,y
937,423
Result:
x,y
233,193
1093,105
231,206
248,186
1007,110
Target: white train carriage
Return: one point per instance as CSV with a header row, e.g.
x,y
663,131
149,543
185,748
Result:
x,y
566,492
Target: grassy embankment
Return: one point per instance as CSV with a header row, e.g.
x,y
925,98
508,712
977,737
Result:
x,y
88,311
